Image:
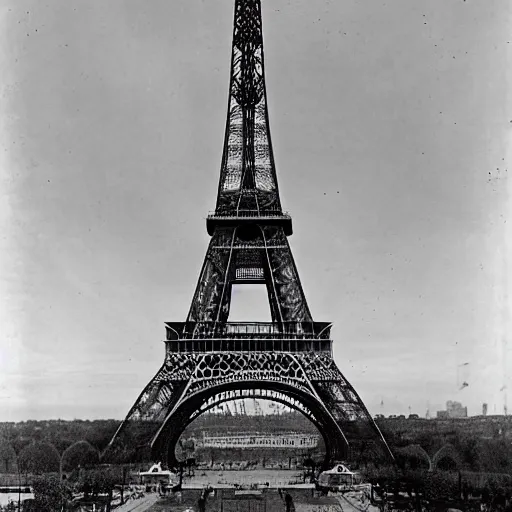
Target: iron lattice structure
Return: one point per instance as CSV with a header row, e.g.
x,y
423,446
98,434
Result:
x,y
210,360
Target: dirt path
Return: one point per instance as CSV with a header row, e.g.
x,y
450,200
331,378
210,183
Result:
x,y
140,505
349,504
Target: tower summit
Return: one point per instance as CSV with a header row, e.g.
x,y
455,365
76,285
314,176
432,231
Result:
x,y
210,360
248,183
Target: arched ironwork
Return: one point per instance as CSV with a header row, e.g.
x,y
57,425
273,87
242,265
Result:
x,y
264,394
186,411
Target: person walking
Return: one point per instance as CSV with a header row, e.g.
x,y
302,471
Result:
x,y
288,501
201,503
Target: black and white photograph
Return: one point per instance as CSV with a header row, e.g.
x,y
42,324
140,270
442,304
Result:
x,y
255,256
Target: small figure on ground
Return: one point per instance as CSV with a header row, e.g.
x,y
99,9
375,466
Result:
x,y
288,501
201,503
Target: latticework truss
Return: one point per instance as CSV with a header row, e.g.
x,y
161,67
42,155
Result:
x,y
210,360
188,384
264,258
248,177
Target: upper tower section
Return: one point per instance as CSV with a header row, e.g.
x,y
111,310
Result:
x,y
248,191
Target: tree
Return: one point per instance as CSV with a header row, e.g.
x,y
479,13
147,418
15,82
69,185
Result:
x,y
8,459
471,449
441,485
495,456
309,463
124,450
190,463
50,494
382,474
413,457
97,481
38,458
447,457
78,455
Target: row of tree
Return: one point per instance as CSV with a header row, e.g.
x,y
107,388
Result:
x,y
98,433
41,457
470,450
57,445
61,434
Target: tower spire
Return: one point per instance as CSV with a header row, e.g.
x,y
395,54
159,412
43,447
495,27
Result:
x,y
248,180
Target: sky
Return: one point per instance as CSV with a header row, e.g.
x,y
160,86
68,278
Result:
x,y
391,124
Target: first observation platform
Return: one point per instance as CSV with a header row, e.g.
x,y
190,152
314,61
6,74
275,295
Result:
x,y
248,337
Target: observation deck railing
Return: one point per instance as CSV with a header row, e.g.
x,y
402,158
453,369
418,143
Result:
x,y
256,214
240,217
284,330
248,336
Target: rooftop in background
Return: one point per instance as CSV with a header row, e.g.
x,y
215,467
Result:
x,y
453,410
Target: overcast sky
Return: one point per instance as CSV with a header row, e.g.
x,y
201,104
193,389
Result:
x,y
391,123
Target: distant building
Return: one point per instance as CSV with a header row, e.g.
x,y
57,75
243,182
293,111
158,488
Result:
x,y
484,409
453,410
253,440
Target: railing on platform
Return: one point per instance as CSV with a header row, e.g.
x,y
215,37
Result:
x,y
267,214
240,217
270,330
249,345
248,337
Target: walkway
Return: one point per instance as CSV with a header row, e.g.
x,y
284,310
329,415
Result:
x,y
351,503
140,505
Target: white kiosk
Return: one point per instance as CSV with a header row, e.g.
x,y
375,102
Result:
x,y
157,476
339,478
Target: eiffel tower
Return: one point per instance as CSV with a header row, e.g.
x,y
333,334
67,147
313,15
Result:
x,y
210,360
